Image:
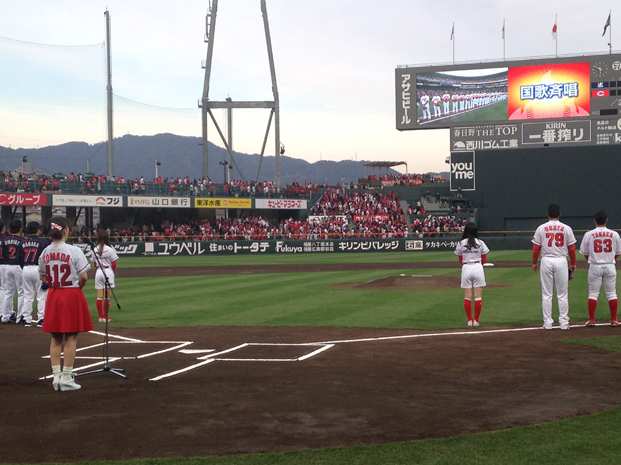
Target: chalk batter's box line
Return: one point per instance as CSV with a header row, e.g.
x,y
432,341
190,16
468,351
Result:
x,y
214,357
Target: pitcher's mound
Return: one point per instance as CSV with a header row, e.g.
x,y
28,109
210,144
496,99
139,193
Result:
x,y
412,283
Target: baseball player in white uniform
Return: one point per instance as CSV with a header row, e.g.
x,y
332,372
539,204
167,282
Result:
x,y
424,104
455,100
472,253
446,98
436,100
601,247
554,241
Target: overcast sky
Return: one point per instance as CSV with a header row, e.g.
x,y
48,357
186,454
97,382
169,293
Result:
x,y
334,59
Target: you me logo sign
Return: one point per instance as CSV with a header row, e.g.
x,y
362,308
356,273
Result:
x,y
462,171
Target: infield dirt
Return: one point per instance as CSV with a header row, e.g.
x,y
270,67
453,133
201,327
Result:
x,y
356,392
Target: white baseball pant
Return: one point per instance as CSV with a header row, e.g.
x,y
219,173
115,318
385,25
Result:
x,y
553,273
12,284
32,289
603,274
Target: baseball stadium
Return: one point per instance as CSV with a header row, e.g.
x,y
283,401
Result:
x,y
268,322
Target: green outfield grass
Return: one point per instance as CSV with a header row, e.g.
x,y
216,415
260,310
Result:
x,y
306,299
495,112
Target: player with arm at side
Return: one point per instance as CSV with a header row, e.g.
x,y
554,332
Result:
x,y
601,247
108,257
32,248
13,261
63,267
554,241
472,253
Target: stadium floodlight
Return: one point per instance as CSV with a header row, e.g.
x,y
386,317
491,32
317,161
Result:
x,y
224,164
157,163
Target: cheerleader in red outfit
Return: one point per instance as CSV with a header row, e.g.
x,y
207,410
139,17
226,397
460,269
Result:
x,y
63,267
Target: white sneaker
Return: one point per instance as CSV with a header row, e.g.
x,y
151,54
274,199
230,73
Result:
x,y
56,382
67,383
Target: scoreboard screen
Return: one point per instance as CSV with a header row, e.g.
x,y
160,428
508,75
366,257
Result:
x,y
513,104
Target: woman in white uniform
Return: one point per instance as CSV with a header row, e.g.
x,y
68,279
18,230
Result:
x,y
107,257
472,253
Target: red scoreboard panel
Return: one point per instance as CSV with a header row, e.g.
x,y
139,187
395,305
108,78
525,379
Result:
x,y
512,104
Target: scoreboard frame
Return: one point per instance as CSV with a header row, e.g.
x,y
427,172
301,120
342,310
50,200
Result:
x,y
564,101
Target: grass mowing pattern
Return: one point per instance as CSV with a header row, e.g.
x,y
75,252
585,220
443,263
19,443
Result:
x,y
610,343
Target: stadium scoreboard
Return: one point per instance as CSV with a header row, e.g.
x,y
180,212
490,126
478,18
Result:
x,y
515,104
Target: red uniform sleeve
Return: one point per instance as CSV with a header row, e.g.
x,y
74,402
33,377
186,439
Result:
x,y
483,259
114,266
536,250
571,249
461,259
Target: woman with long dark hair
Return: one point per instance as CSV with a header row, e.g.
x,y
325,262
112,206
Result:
x,y
107,257
63,267
472,253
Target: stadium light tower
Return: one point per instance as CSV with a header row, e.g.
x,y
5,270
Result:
x,y
206,105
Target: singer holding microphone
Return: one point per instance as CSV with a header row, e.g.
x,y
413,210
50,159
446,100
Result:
x,y
107,257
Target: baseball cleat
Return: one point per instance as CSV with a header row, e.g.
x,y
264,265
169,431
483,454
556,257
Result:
x,y
40,323
564,327
547,327
475,323
470,322
614,323
590,323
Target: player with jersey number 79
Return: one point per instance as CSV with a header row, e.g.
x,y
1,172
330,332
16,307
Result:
x,y
554,241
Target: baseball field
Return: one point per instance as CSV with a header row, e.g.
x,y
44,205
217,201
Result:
x,y
320,359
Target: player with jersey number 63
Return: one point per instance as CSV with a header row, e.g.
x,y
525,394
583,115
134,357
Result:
x,y
472,253
554,241
63,267
601,247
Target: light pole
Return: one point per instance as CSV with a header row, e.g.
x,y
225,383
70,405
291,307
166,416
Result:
x,y
157,163
224,164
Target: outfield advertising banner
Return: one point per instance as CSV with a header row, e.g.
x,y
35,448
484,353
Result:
x,y
291,247
281,204
225,202
462,171
23,199
87,200
159,202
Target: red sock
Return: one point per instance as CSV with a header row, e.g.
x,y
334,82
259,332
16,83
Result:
x,y
468,308
592,308
106,307
99,308
478,305
614,305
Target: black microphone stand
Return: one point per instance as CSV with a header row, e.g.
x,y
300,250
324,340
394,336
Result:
x,y
107,287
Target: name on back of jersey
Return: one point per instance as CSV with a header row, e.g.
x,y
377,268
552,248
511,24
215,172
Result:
x,y
555,227
56,256
602,234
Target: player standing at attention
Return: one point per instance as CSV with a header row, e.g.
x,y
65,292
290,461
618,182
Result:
x,y
108,257
32,247
12,259
601,247
2,235
455,100
424,104
446,98
63,267
436,105
472,254
554,240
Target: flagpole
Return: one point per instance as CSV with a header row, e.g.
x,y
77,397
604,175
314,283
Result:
x,y
610,33
556,36
504,57
453,43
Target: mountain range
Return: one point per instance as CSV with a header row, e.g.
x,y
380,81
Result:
x,y
180,156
